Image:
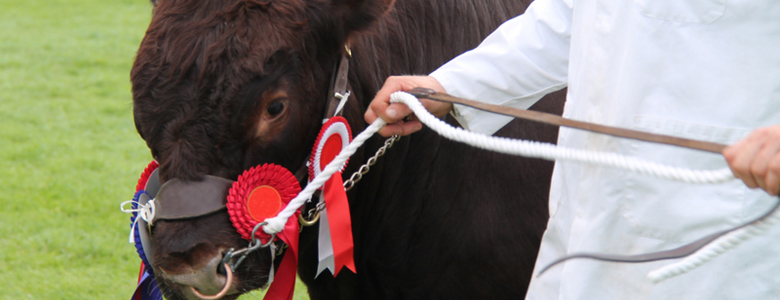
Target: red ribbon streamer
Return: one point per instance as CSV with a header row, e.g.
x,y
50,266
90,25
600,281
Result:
x,y
333,138
283,286
340,223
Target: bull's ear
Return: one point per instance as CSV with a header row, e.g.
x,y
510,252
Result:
x,y
359,14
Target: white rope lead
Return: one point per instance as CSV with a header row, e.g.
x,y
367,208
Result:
x,y
276,224
720,246
537,150
552,152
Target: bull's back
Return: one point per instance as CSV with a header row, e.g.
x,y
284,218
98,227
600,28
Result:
x,y
418,36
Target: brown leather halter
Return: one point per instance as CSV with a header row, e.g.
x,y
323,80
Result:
x,y
178,200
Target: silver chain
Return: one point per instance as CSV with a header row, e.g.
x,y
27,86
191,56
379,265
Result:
x,y
242,253
358,175
314,213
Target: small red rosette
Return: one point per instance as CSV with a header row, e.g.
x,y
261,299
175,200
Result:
x,y
260,193
334,136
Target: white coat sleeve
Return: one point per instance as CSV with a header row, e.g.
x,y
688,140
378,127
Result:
x,y
526,58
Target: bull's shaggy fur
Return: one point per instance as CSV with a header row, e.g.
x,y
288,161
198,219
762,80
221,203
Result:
x,y
220,86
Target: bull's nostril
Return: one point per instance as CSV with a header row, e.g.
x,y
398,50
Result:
x,y
223,265
206,279
221,293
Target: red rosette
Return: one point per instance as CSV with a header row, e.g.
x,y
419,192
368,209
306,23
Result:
x,y
145,175
329,144
260,193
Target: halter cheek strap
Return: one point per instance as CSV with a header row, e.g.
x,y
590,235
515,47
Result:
x,y
339,94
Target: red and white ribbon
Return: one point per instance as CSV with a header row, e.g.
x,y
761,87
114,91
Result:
x,y
335,236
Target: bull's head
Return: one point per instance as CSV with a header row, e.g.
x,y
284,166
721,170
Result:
x,y
222,86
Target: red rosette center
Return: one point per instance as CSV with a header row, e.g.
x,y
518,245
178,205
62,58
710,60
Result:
x,y
331,149
263,202
260,193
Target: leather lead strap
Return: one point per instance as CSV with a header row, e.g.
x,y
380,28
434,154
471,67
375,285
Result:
x,y
551,119
679,252
560,121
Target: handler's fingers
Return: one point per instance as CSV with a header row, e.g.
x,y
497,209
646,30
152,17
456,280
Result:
x,y
400,128
739,157
393,113
760,165
382,108
772,181
390,112
756,159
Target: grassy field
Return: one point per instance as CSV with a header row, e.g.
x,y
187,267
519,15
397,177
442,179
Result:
x,y
69,153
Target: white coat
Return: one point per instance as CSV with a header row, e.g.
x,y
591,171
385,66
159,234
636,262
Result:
x,y
701,69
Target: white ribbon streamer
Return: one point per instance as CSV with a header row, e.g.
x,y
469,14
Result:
x,y
325,246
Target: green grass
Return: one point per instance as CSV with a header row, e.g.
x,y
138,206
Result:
x,y
69,153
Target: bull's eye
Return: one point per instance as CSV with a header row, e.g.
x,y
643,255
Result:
x,y
275,108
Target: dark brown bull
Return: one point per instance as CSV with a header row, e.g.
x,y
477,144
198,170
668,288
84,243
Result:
x,y
220,86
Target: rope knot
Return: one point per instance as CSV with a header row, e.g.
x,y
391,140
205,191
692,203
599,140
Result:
x,y
143,211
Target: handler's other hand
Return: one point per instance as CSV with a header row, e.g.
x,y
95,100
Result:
x,y
395,114
756,159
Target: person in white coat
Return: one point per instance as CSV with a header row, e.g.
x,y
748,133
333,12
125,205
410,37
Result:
x,y
705,69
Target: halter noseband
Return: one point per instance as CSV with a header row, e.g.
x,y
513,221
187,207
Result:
x,y
178,199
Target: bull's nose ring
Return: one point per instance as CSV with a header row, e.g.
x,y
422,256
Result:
x,y
223,292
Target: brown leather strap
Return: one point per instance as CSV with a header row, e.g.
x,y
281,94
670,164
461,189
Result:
x,y
340,80
178,199
680,252
560,121
546,118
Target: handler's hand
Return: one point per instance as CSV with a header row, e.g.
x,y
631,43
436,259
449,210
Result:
x,y
395,113
756,159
